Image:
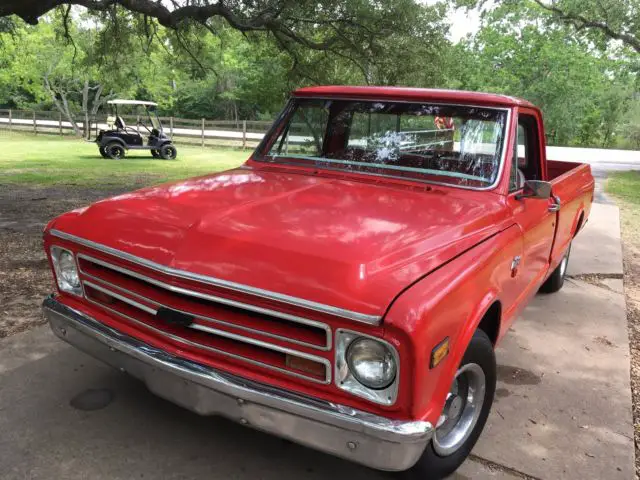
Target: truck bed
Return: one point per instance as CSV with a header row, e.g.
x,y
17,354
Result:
x,y
557,168
572,183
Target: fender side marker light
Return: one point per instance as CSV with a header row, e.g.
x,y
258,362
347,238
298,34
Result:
x,y
439,352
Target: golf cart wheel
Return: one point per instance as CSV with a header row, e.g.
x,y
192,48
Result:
x,y
464,414
103,152
155,153
115,151
556,280
168,152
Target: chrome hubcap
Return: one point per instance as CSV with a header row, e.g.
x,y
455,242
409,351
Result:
x,y
461,410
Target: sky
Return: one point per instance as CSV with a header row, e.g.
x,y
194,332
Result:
x,y
463,22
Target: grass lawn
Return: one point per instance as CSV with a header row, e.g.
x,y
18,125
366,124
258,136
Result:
x,y
625,186
625,189
50,160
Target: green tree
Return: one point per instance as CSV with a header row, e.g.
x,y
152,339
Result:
x,y
582,92
614,19
601,20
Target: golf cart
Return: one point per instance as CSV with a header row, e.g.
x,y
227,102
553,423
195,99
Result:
x,y
113,143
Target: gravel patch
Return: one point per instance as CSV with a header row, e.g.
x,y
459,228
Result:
x,y
631,262
25,277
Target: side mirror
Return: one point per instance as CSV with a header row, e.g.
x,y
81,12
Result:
x,y
536,189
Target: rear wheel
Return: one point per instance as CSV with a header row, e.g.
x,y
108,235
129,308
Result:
x,y
115,151
556,280
155,153
464,414
103,152
168,152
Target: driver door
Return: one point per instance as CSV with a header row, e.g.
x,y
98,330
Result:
x,y
535,217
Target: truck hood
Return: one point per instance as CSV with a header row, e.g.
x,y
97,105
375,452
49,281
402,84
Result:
x,y
334,241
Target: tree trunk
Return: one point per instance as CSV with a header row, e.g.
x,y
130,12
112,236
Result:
x,y
62,105
85,109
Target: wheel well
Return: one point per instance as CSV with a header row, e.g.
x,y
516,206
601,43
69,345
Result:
x,y
490,323
109,140
579,224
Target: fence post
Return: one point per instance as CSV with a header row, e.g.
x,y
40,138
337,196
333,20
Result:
x,y
10,120
138,124
171,127
35,123
203,132
60,123
244,134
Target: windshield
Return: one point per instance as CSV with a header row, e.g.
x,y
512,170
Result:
x,y
458,145
153,117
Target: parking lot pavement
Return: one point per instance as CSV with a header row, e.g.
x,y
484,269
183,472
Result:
x,y
563,409
50,432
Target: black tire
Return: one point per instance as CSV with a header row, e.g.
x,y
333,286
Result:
x,y
103,152
155,153
556,280
168,152
115,151
434,463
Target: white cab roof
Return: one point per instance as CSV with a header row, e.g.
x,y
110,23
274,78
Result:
x,y
131,102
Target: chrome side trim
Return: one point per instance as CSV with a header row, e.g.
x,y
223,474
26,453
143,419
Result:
x,y
201,317
184,341
217,282
212,298
382,443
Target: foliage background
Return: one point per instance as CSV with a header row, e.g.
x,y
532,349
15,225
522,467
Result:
x,y
586,84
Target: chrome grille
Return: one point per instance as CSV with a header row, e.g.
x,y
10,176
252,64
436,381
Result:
x,y
101,278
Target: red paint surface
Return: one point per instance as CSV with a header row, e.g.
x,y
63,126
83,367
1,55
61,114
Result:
x,y
430,259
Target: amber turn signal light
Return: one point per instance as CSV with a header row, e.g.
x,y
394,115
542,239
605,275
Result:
x,y
305,365
440,352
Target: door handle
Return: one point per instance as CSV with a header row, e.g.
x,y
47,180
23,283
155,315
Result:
x,y
555,206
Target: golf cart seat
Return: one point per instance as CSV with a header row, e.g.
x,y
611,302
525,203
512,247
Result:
x,y
120,123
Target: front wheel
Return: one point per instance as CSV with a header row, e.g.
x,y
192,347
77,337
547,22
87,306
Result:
x,y
115,151
155,153
103,152
556,280
168,152
464,414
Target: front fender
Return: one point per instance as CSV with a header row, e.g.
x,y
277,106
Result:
x,y
450,303
108,139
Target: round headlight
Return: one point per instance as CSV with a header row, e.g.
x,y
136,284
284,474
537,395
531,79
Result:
x,y
68,270
371,363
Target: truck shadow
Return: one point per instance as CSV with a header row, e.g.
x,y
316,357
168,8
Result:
x,y
68,416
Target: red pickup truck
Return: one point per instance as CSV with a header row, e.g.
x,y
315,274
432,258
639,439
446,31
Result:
x,y
346,287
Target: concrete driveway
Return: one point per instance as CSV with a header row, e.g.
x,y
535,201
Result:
x,y
563,406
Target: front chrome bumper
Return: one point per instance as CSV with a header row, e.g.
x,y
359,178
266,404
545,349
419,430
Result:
x,y
361,437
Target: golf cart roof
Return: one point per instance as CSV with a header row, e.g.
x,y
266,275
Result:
x,y
131,102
